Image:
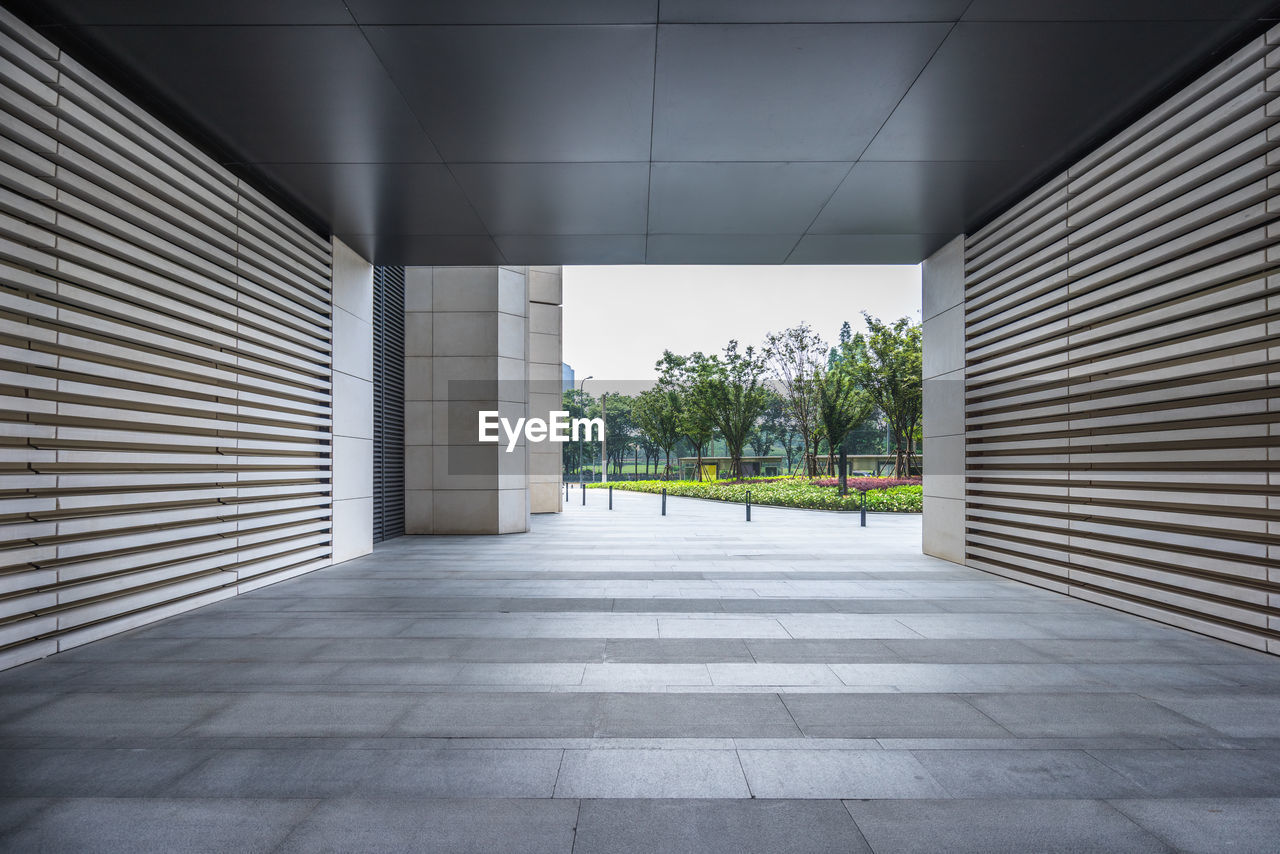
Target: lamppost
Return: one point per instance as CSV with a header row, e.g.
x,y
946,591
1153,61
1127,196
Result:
x,y
584,412
604,439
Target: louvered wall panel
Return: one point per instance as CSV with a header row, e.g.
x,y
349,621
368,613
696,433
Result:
x,y
1122,349
164,367
388,403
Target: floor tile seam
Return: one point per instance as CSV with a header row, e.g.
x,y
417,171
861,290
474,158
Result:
x,y
1107,803
965,698
203,719
577,821
742,769
1183,717
791,714
844,802
279,846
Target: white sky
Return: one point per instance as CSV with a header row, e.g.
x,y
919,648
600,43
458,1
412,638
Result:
x,y
618,320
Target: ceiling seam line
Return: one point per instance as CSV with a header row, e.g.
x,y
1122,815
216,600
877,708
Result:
x,y
871,141
653,112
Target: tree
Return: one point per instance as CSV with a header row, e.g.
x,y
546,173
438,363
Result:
x,y
619,429
657,414
579,405
794,356
777,420
679,374
846,335
841,407
885,363
730,393
769,429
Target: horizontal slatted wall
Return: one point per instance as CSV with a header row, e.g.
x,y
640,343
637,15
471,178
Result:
x,y
165,347
1121,340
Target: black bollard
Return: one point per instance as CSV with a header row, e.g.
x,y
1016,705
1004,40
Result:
x,y
748,505
583,487
611,496
664,502
864,508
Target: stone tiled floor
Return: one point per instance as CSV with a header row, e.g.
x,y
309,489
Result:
x,y
623,682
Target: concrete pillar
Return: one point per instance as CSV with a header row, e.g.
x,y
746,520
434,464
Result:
x,y
466,338
418,500
545,358
944,479
352,313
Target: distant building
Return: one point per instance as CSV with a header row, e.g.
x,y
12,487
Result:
x,y
566,377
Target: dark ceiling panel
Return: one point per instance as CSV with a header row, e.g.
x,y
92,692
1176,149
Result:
x,y
906,196
579,131
801,92
1032,91
558,198
742,198
802,11
1117,10
191,12
573,248
519,94
867,248
279,94
399,12
720,248
425,249
370,198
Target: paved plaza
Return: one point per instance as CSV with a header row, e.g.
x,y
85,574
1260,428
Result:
x,y
619,681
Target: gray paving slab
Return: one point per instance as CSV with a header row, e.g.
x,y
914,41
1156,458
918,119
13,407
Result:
x,y
159,825
624,773
1209,826
148,714
827,774
459,714
463,772
304,714
1083,714
1247,714
15,812
695,715
483,826
716,827
1197,773
820,650
1024,773
987,826
889,716
677,650
101,771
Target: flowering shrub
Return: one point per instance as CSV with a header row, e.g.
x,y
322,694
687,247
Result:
x,y
883,494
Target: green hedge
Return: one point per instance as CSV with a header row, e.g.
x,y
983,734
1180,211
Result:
x,y
786,492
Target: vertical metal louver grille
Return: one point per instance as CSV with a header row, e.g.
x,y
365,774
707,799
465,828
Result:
x,y
388,403
1122,394
165,379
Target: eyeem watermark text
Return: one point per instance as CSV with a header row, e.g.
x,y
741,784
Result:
x,y
559,429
